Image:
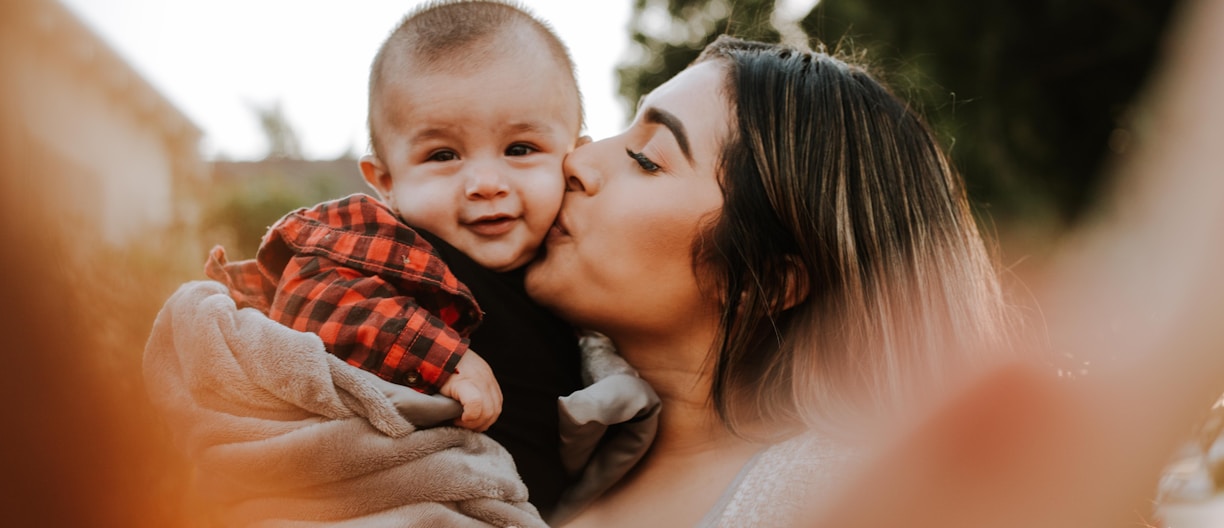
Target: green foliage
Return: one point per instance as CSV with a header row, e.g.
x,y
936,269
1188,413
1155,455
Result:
x,y
242,199
238,209
239,214
1032,96
668,35
1029,96
281,137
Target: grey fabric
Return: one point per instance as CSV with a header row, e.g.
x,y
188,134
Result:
x,y
606,428
285,434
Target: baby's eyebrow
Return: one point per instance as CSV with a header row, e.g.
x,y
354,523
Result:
x,y
529,126
673,123
430,133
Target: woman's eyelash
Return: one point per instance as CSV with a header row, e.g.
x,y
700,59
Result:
x,y
643,161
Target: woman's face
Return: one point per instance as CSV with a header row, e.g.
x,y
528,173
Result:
x,y
620,256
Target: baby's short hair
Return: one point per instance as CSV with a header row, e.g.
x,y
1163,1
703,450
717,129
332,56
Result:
x,y
446,29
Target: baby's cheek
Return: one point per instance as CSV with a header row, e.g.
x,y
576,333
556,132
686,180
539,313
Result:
x,y
428,202
544,194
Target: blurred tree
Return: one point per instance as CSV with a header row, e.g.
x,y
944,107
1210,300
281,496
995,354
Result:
x,y
667,35
282,138
239,213
245,198
1031,97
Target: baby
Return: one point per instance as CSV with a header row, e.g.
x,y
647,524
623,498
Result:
x,y
473,105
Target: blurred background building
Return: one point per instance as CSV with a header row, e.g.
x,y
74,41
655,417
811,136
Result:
x,y
105,147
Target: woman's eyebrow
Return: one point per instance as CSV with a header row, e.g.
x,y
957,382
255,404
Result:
x,y
669,120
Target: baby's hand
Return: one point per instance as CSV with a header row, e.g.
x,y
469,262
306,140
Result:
x,y
474,386
419,409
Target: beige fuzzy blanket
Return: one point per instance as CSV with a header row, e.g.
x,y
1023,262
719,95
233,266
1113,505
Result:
x,y
284,434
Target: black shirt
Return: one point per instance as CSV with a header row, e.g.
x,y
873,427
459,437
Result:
x,y
535,357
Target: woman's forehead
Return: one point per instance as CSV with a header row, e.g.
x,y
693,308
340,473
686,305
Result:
x,y
693,107
703,80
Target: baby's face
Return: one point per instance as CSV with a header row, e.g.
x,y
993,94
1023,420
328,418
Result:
x,y
475,156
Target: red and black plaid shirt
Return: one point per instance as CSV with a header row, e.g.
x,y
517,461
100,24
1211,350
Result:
x,y
376,292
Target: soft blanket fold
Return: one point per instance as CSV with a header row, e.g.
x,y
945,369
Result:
x,y
284,434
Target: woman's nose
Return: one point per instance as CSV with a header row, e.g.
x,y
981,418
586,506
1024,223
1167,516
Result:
x,y
484,182
581,172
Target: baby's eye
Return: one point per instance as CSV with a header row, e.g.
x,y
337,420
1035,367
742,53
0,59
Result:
x,y
645,163
443,155
519,149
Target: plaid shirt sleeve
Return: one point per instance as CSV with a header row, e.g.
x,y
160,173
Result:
x,y
367,322
246,284
377,294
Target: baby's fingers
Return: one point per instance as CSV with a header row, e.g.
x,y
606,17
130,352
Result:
x,y
474,415
495,401
477,414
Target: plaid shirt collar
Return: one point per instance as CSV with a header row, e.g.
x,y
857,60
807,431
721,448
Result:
x,y
356,231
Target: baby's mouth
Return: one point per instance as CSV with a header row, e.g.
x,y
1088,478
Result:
x,y
491,225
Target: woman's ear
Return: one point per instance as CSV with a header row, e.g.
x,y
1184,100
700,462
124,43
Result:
x,y
797,284
377,176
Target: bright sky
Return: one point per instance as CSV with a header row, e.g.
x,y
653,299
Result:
x,y
213,59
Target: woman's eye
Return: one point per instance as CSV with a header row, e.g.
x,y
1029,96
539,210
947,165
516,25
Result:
x,y
443,155
643,161
519,150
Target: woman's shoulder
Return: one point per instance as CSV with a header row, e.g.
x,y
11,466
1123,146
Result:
x,y
784,479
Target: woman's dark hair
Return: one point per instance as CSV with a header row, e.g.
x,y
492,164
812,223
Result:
x,y
847,258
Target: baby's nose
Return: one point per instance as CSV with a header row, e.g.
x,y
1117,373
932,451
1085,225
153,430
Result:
x,y
484,181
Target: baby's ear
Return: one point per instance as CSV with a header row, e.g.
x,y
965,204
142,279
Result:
x,y
584,140
376,175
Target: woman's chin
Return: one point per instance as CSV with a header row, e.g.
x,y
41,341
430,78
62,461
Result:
x,y
540,279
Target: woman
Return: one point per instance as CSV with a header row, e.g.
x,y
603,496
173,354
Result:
x,y
776,241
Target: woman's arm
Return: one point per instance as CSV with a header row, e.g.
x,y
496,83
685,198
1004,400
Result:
x,y
1139,297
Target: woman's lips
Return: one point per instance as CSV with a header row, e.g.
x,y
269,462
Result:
x,y
558,230
492,225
